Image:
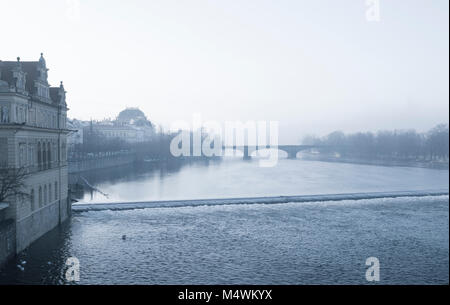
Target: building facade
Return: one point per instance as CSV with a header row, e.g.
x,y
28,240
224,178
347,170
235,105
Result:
x,y
130,126
75,137
33,138
126,133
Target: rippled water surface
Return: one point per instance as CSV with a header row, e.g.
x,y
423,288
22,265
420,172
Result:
x,y
289,243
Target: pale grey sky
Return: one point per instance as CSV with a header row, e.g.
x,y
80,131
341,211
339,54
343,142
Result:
x,y
316,65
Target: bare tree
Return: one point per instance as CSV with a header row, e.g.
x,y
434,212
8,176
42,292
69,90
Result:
x,y
394,145
12,183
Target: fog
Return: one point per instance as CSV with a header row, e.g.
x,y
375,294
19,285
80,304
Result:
x,y
314,66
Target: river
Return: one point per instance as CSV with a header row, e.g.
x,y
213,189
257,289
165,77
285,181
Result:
x,y
236,178
287,243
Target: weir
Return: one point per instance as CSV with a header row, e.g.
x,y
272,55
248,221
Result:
x,y
80,207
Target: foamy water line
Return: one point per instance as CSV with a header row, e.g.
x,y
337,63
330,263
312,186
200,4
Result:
x,y
80,207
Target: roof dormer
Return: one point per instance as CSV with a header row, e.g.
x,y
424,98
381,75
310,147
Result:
x,y
42,68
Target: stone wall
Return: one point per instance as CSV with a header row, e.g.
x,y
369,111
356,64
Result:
x,y
7,240
32,223
76,166
40,222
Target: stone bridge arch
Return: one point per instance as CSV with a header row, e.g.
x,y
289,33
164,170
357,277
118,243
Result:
x,y
291,150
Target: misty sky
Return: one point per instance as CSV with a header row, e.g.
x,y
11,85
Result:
x,y
315,66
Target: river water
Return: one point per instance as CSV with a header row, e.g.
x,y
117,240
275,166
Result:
x,y
287,243
235,178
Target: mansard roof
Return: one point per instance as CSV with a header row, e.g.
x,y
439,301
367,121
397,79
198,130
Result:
x,y
32,74
6,71
29,67
55,94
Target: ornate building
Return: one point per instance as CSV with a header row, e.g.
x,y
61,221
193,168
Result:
x,y
130,126
33,137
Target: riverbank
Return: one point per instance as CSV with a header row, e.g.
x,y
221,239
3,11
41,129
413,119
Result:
x,y
378,162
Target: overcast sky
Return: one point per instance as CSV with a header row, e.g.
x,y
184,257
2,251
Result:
x,y
315,66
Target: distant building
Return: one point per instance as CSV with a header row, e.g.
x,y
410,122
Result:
x,y
75,137
133,116
131,126
33,136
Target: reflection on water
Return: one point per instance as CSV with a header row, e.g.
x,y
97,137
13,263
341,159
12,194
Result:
x,y
236,178
123,175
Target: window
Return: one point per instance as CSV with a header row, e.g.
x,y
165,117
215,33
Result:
x,y
39,157
44,157
32,200
55,152
32,116
56,190
40,196
49,156
30,155
22,155
45,195
3,151
43,91
49,192
63,152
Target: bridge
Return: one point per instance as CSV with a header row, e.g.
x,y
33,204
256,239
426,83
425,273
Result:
x,y
291,150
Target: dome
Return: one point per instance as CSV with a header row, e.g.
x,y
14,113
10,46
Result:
x,y
132,116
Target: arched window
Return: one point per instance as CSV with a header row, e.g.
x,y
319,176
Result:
x,y
44,157
40,196
49,156
55,154
64,152
45,195
30,155
39,156
32,200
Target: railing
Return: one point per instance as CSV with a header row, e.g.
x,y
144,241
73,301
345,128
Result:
x,y
30,124
79,156
30,169
88,162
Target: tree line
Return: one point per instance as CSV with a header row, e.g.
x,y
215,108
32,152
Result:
x,y
394,145
156,147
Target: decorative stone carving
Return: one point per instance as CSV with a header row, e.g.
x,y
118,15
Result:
x,y
62,95
20,76
43,76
